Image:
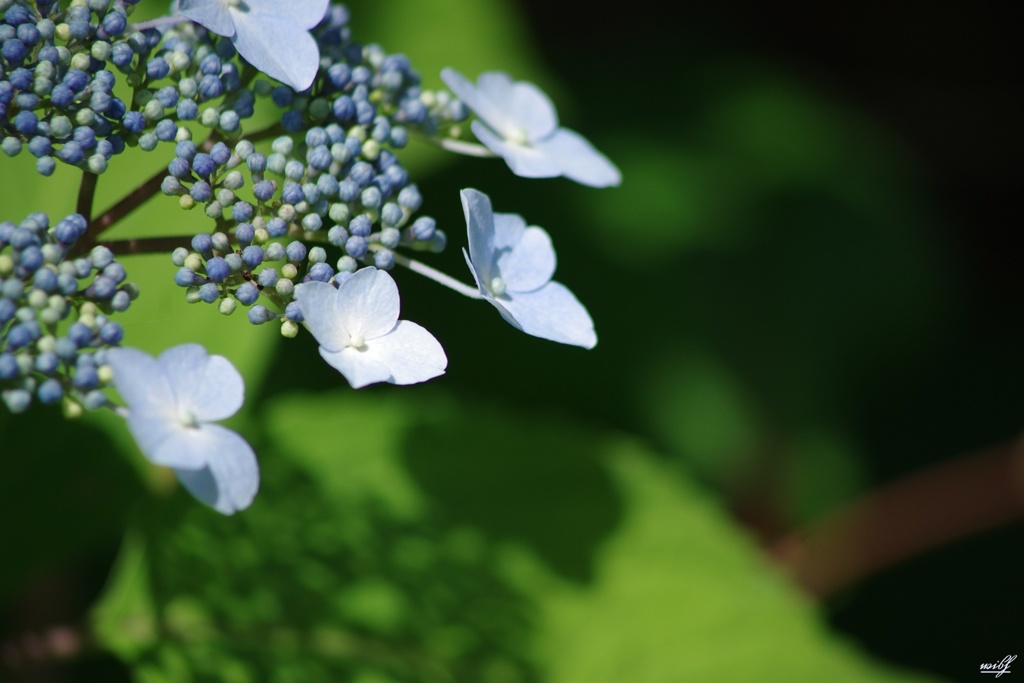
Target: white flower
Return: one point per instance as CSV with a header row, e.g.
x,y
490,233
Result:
x,y
518,122
360,335
172,402
513,265
272,35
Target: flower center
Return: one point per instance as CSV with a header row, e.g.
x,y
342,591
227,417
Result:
x,y
356,341
497,286
517,136
188,419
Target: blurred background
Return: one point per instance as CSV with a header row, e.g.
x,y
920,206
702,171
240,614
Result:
x,y
807,293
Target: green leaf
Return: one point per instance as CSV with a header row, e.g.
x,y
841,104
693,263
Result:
x,y
416,537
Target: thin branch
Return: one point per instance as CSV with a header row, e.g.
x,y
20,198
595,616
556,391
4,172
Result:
x,y
906,518
86,194
436,275
460,147
118,211
147,245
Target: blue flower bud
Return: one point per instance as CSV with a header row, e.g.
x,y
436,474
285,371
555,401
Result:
x,y
263,190
209,292
217,269
356,246
247,293
186,277
321,272
245,233
203,244
252,256
296,252
260,314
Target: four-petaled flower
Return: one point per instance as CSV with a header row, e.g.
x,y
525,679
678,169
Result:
x,y
172,402
513,265
360,335
517,121
272,35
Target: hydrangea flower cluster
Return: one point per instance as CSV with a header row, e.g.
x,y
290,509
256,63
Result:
x,y
55,314
306,215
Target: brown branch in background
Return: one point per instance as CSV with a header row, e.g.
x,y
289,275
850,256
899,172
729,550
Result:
x,y
906,518
37,649
147,245
86,193
118,211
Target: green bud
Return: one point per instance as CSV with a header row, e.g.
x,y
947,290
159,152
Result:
x,y
210,117
194,261
371,150
289,271
6,264
72,409
106,374
284,287
100,50
186,202
339,213
227,306
192,295
289,328
358,132
81,61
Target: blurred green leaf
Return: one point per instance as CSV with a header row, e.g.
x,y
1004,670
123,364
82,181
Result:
x,y
420,538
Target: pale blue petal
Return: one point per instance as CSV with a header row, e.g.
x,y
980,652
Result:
x,y
410,353
319,304
280,49
552,312
304,14
480,226
141,381
508,231
532,112
530,263
476,275
208,387
579,160
369,303
213,14
231,477
164,440
487,109
525,162
357,366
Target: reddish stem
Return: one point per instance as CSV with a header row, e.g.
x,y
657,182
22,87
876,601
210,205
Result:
x,y
906,518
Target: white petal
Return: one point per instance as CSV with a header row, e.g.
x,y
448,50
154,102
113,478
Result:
x,y
475,272
530,263
164,441
230,480
213,14
524,161
532,112
480,225
281,49
304,14
410,353
508,231
141,381
369,303
480,103
319,304
552,312
357,365
208,387
578,159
